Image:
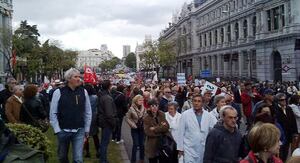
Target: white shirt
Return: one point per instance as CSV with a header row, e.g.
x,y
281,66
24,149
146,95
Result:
x,y
174,124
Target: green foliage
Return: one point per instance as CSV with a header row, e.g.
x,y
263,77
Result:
x,y
46,59
32,137
166,53
130,60
150,57
110,64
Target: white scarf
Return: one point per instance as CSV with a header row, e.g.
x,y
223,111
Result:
x,y
19,99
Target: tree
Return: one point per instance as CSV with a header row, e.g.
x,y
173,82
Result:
x,y
167,56
150,57
130,60
110,64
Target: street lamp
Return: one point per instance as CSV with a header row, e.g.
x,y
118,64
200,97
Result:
x,y
229,37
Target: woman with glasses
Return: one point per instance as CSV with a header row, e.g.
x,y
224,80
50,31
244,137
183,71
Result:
x,y
134,118
155,125
285,117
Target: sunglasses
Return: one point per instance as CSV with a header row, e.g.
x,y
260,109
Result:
x,y
168,92
282,99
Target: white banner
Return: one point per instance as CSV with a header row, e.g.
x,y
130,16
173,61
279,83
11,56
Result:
x,y
211,87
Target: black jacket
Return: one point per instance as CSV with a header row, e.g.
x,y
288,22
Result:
x,y
35,108
222,146
287,122
121,104
107,112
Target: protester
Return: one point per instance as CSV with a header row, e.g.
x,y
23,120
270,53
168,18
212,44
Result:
x,y
285,117
134,118
173,117
207,100
188,103
194,127
107,118
5,94
219,101
294,104
155,125
93,128
13,105
264,142
146,96
70,116
32,109
224,140
121,105
166,98
247,102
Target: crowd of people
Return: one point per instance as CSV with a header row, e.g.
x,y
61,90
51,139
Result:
x,y
243,121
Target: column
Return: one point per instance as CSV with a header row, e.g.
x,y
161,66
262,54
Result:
x,y
225,35
202,63
213,62
225,65
240,60
250,25
241,29
264,19
219,57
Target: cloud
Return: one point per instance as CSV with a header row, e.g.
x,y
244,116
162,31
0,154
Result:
x,y
90,23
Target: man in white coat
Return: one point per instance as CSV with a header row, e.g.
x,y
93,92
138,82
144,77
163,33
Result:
x,y
194,127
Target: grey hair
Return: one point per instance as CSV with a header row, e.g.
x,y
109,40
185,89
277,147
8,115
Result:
x,y
279,95
218,98
69,73
223,110
17,87
9,80
173,103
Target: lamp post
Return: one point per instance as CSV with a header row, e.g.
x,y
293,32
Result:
x,y
229,38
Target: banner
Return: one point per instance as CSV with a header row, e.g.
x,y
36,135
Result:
x,y
210,87
181,79
89,76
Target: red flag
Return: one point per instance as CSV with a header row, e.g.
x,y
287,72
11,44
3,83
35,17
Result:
x,y
88,75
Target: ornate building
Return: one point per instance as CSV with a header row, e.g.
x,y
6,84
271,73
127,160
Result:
x,y
238,38
93,57
5,23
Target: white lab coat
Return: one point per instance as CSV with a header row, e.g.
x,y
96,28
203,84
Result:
x,y
215,113
174,124
191,137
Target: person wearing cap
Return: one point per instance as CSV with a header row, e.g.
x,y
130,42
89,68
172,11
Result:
x,y
268,99
195,124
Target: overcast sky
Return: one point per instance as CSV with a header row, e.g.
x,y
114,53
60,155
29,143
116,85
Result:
x,y
86,24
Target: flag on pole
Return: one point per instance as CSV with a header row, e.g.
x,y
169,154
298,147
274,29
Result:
x,y
89,76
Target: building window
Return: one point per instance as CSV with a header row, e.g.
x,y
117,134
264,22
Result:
x,y
236,30
210,38
282,15
276,18
269,20
200,40
216,37
245,28
229,33
254,25
222,35
205,40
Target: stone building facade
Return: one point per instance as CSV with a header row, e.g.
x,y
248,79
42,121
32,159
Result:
x,y
238,38
6,10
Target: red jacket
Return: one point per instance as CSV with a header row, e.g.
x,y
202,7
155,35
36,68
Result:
x,y
247,104
252,159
